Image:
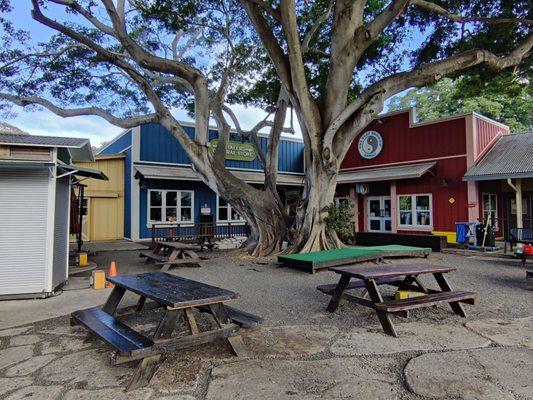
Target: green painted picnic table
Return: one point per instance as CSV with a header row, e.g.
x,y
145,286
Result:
x,y
349,255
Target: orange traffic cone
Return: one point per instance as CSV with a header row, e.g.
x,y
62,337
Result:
x,y
112,272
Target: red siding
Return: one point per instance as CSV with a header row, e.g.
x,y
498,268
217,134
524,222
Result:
x,y
445,214
486,132
402,143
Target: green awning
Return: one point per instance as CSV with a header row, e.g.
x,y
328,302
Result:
x,y
80,171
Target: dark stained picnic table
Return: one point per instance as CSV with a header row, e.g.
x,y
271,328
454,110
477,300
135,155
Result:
x,y
178,296
171,253
403,276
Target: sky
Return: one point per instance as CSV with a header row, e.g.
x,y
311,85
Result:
x,y
94,128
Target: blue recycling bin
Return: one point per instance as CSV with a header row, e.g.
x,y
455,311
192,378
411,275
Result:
x,y
463,231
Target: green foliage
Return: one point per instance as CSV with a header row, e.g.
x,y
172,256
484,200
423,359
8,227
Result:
x,y
339,218
506,98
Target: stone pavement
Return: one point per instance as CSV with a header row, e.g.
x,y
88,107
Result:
x,y
486,359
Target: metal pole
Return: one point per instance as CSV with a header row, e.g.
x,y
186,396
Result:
x,y
80,208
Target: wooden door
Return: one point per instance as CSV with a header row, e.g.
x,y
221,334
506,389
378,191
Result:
x,y
106,219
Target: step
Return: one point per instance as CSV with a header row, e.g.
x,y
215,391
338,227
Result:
x,y
118,335
426,300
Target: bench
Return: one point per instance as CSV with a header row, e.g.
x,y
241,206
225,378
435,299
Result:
x,y
239,317
357,284
392,306
529,273
122,338
153,256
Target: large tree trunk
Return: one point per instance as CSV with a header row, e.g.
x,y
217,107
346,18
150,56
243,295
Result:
x,y
267,219
312,233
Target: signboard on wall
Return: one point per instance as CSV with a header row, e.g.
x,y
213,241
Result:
x,y
238,151
370,144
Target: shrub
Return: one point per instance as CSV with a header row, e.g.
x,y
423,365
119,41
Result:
x,y
339,218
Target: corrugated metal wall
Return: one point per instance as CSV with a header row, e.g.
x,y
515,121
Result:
x,y
23,222
158,145
61,231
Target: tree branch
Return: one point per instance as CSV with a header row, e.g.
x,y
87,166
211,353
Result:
x,y
428,5
424,75
319,21
125,123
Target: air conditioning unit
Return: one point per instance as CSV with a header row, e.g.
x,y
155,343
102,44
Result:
x,y
362,188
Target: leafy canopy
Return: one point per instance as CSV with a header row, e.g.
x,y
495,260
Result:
x,y
505,98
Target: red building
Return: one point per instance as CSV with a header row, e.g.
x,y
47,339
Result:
x,y
402,176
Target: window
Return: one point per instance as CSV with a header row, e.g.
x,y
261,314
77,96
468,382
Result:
x,y
524,206
415,210
226,213
172,206
490,208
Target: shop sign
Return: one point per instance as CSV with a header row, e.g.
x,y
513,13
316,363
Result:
x,y
238,151
370,144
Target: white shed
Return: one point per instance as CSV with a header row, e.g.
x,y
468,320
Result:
x,y
35,179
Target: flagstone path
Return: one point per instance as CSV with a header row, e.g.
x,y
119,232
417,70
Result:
x,y
486,359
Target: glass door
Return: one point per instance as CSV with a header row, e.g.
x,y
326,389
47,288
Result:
x,y
379,213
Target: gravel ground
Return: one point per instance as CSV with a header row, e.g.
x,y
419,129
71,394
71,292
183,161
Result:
x,y
286,296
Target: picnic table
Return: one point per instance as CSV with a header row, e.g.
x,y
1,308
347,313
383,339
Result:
x,y
178,296
168,254
403,276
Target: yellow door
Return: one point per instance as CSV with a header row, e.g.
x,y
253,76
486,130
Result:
x,y
106,218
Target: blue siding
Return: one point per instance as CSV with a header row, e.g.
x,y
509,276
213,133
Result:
x,y
118,147
202,195
158,145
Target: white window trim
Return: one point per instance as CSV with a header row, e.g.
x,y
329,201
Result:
x,y
163,207
494,223
225,222
413,211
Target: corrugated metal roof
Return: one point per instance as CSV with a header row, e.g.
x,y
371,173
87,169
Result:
x,y
33,140
184,173
510,157
385,174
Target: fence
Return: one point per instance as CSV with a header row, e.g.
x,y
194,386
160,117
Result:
x,y
197,233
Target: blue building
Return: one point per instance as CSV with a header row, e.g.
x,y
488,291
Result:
x,y
161,187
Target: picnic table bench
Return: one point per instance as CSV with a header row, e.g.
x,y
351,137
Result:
x,y
168,254
403,276
178,296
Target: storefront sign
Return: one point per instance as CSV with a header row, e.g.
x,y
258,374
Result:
x,y
237,151
370,144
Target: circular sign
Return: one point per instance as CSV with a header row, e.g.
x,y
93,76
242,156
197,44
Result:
x,y
370,144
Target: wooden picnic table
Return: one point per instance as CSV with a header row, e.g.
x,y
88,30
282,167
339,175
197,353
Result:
x,y
168,254
403,276
178,296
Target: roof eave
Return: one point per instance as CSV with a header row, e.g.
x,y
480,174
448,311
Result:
x,y
497,177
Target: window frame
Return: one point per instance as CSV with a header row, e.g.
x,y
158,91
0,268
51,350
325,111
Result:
x,y
163,207
229,208
494,223
414,220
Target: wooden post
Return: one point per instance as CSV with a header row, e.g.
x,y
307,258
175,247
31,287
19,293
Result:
x,y
229,229
517,187
153,236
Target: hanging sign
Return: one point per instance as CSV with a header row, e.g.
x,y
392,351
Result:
x,y
237,151
370,144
